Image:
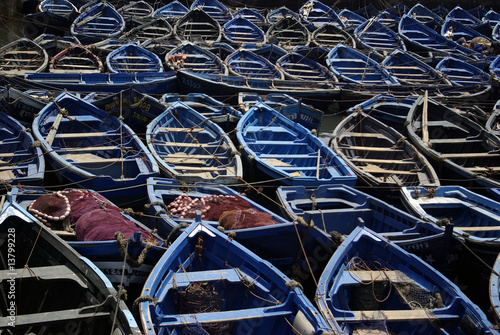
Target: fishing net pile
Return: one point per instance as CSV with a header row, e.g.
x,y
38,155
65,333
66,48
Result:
x,y
232,212
91,216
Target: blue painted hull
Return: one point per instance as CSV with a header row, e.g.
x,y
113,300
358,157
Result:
x,y
96,149
149,83
220,268
366,254
288,153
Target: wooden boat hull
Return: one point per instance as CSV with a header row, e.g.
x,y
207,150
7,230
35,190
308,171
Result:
x,y
22,56
238,314
132,58
247,64
78,149
286,152
190,147
362,257
149,83
60,287
226,88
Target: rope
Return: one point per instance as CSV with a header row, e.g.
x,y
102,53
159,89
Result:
x,y
123,246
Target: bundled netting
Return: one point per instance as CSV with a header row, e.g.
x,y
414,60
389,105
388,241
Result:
x,y
203,297
91,216
232,212
369,296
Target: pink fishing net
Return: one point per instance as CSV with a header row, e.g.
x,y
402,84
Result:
x,y
90,215
232,212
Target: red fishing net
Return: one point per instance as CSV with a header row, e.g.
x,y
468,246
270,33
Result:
x,y
89,214
232,212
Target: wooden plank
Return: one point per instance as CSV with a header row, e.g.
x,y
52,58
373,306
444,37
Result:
x,y
393,316
425,126
199,168
484,168
276,162
189,145
382,161
479,229
381,149
378,170
97,148
371,276
53,130
77,135
91,158
180,130
355,134
471,155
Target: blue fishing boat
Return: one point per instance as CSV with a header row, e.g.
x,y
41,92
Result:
x,y
161,46
22,162
287,152
317,13
288,32
54,44
60,285
151,83
194,58
190,147
247,64
373,35
172,202
456,30
494,289
473,215
138,10
35,24
98,22
196,25
20,105
92,149
461,15
409,69
367,11
478,11
381,157
316,53
158,28
132,58
216,9
280,13
420,38
340,208
62,8
371,283
426,16
292,108
329,35
22,56
171,12
76,58
386,108
388,20
227,88
351,19
492,17
253,15
136,109
493,122
261,230
220,273
462,73
458,146
240,30
269,51
354,67
224,115
298,67
97,229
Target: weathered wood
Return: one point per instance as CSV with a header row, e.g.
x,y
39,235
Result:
x,y
371,276
97,148
425,126
77,135
354,134
378,170
394,315
180,130
382,161
275,162
478,229
53,130
471,155
381,149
